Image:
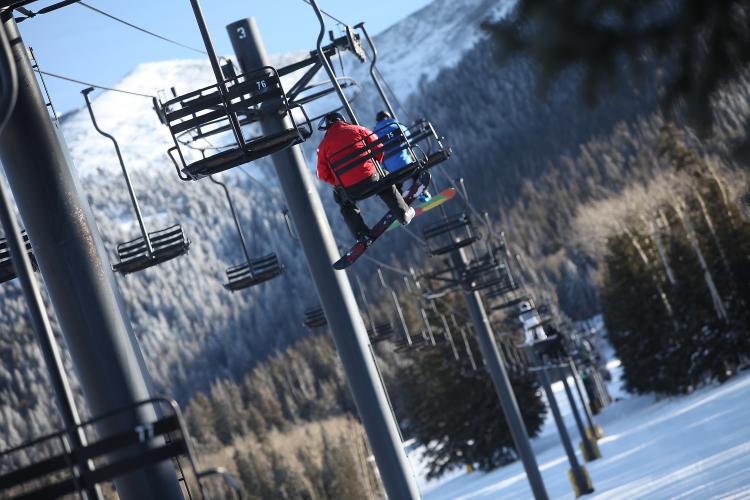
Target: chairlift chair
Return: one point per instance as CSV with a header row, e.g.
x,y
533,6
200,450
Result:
x,y
451,233
150,248
52,463
381,332
418,342
7,268
229,106
255,270
315,318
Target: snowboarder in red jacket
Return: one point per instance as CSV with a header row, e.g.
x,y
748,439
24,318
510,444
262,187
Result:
x,y
341,140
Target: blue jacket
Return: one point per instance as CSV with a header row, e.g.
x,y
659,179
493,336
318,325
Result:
x,y
397,161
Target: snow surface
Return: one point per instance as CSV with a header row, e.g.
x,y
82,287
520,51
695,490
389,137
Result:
x,y
696,446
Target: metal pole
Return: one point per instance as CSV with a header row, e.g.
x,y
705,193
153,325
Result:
x,y
579,390
236,222
365,303
22,264
375,79
334,289
77,274
494,364
133,199
396,303
216,68
577,416
575,467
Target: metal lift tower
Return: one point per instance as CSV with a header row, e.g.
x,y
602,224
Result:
x,y
333,288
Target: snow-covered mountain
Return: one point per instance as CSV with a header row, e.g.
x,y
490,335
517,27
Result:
x,y
191,329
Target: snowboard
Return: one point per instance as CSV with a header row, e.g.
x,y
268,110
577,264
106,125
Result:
x,y
435,201
359,248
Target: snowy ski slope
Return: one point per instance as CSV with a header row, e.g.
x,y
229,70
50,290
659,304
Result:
x,y
697,446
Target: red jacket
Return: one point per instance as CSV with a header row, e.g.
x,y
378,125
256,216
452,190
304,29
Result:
x,y
342,139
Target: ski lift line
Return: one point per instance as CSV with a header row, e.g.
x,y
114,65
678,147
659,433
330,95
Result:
x,y
143,30
29,14
393,94
89,84
327,14
386,266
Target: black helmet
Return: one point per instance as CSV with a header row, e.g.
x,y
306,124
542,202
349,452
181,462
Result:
x,y
329,119
383,115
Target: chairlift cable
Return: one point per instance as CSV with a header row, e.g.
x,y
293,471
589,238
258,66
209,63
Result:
x,y
393,94
386,266
143,30
328,15
102,87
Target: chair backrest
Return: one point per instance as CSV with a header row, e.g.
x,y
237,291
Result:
x,y
206,110
315,317
162,241
360,151
256,271
55,467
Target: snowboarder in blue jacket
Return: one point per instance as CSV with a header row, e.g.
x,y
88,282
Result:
x,y
395,162
386,124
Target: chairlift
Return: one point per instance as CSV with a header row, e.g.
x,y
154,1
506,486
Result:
x,y
421,130
255,270
315,318
381,332
50,462
150,248
7,268
449,234
225,106
392,143
418,342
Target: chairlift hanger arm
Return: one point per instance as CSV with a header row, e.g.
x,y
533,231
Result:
x,y
131,192
327,65
234,216
373,75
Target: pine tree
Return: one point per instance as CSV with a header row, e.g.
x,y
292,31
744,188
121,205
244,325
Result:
x,y
457,415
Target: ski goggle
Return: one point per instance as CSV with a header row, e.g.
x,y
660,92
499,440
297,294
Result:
x,y
322,125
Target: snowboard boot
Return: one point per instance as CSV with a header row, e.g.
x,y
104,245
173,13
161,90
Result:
x,y
408,216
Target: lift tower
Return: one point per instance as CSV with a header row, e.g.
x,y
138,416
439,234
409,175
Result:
x,y
334,289
76,271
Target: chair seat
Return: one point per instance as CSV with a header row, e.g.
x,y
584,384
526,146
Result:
x,y
7,268
167,244
256,272
315,318
254,149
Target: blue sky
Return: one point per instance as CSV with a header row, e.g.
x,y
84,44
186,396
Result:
x,y
82,44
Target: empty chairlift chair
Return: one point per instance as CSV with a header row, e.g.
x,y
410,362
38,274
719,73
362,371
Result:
x,y
53,466
255,270
315,318
225,109
381,332
150,248
451,233
7,269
